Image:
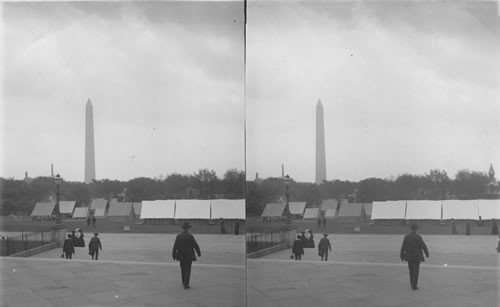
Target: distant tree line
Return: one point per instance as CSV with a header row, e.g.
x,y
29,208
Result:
x,y
435,185
19,196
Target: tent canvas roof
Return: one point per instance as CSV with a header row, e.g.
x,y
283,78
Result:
x,y
158,209
192,209
423,210
43,209
274,210
137,208
81,212
311,213
120,209
228,208
460,209
489,209
297,207
388,210
350,210
98,203
368,208
99,212
330,213
329,204
67,207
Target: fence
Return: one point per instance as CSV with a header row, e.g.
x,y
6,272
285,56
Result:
x,y
25,241
258,241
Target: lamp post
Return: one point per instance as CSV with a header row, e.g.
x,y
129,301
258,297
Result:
x,y
58,180
288,180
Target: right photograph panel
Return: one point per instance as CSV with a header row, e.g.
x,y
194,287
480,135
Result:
x,y
372,140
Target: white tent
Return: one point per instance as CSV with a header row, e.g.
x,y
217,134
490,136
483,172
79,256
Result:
x,y
137,208
330,213
423,209
460,209
297,208
274,210
100,212
81,212
43,209
67,207
389,210
489,209
158,209
98,203
311,213
329,204
228,208
191,209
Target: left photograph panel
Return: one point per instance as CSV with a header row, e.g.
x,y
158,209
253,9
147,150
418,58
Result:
x,y
122,169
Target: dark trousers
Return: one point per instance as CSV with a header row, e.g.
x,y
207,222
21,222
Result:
x,y
68,255
325,256
95,254
298,256
414,268
185,271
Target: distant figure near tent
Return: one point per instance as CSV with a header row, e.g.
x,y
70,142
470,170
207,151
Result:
x,y
323,247
236,228
324,222
494,228
498,246
453,227
319,222
467,229
93,220
222,226
89,220
298,248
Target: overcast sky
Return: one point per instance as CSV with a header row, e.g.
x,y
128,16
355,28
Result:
x,y
165,81
405,87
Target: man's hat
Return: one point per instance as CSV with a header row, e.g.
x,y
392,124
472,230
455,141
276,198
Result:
x,y
186,225
96,233
325,234
414,226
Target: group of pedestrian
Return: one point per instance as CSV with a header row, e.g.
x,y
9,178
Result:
x,y
91,220
76,239
322,221
302,241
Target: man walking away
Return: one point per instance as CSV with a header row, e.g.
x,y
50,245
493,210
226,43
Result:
x,y
323,247
95,246
68,248
184,247
411,251
298,248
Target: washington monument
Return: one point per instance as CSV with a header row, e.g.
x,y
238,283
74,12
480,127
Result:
x,y
320,145
89,143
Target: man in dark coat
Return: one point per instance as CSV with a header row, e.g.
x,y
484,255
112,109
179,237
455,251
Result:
x,y
95,246
68,248
323,247
184,247
411,251
298,248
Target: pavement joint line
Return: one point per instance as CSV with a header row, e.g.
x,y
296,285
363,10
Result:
x,y
64,261
386,264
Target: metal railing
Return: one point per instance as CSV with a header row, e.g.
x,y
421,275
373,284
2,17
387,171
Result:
x,y
260,240
10,245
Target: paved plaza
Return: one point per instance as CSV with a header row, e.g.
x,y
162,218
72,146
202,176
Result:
x,y
365,270
133,270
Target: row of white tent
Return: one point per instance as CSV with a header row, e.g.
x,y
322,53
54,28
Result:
x,y
476,209
194,209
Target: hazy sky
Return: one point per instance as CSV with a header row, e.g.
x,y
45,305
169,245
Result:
x,y
165,81
405,87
